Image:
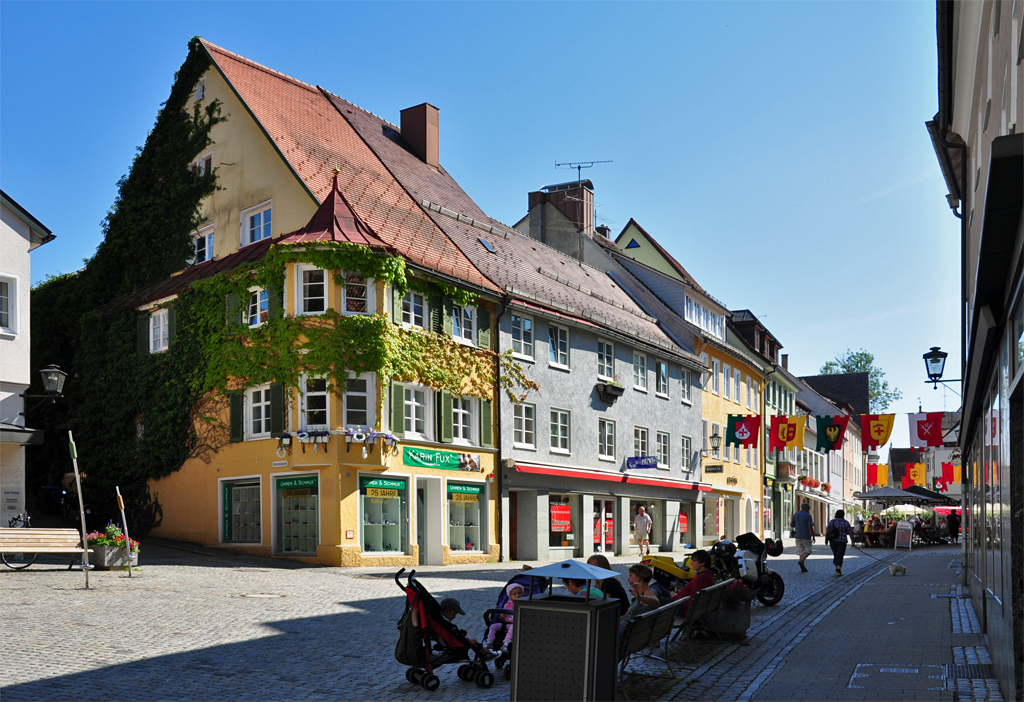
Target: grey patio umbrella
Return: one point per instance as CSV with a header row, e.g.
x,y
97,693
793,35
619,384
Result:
x,y
892,496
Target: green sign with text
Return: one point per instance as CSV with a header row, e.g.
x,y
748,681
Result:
x,y
441,460
292,483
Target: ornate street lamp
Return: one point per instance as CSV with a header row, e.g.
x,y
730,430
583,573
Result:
x,y
716,442
935,364
53,387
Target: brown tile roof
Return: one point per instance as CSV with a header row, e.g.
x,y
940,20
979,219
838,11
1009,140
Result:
x,y
314,138
334,220
523,267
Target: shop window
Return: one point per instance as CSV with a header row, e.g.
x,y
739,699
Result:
x,y
465,515
524,421
563,516
605,360
606,439
385,509
357,400
655,509
522,335
298,511
242,512
712,518
315,413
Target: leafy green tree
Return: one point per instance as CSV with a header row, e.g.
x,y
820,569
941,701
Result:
x,y
879,392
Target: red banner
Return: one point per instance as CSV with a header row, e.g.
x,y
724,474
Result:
x,y
561,518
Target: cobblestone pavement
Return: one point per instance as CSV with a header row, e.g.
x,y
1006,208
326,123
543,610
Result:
x,y
180,629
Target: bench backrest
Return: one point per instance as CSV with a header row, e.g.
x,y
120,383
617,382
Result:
x,y
24,539
705,601
649,628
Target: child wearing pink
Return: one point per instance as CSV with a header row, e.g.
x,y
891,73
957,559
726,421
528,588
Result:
x,y
515,591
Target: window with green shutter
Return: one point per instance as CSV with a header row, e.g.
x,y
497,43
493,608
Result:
x,y
483,328
398,409
443,414
486,424
237,413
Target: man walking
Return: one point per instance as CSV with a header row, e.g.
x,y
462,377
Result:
x,y
642,529
953,521
803,532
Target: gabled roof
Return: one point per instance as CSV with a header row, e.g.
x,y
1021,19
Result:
x,y
846,388
524,268
41,232
665,254
313,138
334,220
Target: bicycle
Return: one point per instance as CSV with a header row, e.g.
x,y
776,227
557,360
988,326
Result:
x,y
19,561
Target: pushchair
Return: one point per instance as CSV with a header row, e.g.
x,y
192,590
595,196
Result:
x,y
492,616
439,641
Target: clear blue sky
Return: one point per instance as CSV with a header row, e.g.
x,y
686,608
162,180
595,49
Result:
x,y
778,150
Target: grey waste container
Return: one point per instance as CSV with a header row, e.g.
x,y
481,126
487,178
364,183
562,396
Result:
x,y
564,649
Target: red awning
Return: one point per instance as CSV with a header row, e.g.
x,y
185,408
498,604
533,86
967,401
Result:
x,y
613,477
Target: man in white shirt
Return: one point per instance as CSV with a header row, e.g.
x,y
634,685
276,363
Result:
x,y
642,530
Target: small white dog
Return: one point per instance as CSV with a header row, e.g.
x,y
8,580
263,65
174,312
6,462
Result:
x,y
897,569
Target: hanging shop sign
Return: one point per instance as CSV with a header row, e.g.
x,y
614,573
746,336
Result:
x,y
305,486
561,518
441,460
461,492
641,462
713,469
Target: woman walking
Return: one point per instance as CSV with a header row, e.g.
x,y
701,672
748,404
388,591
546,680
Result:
x,y
835,536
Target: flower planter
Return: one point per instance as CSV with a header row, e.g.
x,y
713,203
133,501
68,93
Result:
x,y
107,557
609,392
729,619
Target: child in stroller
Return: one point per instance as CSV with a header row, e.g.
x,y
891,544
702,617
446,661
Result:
x,y
429,640
499,621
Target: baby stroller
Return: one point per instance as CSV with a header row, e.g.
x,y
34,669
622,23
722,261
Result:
x,y
492,616
428,641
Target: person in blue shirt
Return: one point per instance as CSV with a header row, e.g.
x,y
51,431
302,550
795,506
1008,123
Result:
x,y
803,532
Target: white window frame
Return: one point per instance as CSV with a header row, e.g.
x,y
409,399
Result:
x,y
300,285
750,392
371,296
467,407
556,416
261,297
200,90
250,406
737,396
558,333
726,381
705,376
410,297
305,394
640,371
661,378
686,447
605,440
735,453
523,438
716,428
159,320
428,414
663,449
705,445
371,395
12,326
641,442
459,315
686,386
715,378
605,360
526,349
206,236
260,209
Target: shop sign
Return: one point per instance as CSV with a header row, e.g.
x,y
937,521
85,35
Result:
x,y
441,460
561,518
227,511
388,484
641,462
309,481
683,522
713,469
459,492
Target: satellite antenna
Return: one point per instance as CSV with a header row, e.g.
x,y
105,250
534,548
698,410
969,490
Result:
x,y
579,166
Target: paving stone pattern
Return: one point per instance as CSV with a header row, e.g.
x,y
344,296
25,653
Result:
x,y
181,630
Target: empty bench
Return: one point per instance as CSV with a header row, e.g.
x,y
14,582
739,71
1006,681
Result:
x,y
42,541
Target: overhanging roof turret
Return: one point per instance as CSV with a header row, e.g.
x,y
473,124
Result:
x,y
334,220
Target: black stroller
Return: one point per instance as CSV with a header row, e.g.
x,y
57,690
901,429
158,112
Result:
x,y
428,641
494,616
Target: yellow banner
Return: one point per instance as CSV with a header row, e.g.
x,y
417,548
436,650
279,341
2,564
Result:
x,y
916,471
883,474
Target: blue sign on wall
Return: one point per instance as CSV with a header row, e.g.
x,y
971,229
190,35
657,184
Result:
x,y
641,462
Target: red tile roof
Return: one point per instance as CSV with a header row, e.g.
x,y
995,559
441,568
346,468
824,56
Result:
x,y
334,220
314,138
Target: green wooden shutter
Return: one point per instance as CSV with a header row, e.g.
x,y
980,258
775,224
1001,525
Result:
x,y
483,328
233,310
435,313
396,304
446,310
275,302
277,405
172,324
486,424
443,400
237,399
142,333
398,409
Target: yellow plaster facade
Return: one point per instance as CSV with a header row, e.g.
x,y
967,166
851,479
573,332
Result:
x,y
645,252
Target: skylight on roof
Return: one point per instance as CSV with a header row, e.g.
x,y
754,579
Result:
x,y
487,245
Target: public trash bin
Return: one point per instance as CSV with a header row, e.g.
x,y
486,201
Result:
x,y
564,648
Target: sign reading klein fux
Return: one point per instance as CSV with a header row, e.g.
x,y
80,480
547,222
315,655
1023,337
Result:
x,y
441,460
641,462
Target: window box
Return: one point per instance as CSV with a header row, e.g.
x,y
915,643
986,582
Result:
x,y
609,392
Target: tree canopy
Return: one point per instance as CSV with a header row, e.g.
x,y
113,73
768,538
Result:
x,y
879,392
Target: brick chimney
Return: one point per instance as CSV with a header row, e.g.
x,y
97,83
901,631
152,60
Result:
x,y
420,127
785,361
604,231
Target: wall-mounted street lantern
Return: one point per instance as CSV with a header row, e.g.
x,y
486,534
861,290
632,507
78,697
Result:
x,y
53,386
716,442
935,365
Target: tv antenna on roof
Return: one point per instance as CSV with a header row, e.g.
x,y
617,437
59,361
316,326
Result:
x,y
579,166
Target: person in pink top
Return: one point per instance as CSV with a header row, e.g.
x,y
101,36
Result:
x,y
515,591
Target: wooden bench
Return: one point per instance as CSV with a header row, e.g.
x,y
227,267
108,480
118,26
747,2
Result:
x,y
703,603
647,631
42,541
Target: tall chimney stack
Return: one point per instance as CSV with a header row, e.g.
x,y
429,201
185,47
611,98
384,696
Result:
x,y
785,361
420,128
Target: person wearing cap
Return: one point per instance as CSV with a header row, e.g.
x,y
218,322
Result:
x,y
450,608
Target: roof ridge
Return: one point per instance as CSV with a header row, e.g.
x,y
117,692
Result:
x,y
372,114
663,251
258,66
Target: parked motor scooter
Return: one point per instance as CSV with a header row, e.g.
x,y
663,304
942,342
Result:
x,y
749,564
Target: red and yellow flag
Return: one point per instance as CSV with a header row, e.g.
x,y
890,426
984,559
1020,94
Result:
x,y
787,432
883,474
875,429
916,473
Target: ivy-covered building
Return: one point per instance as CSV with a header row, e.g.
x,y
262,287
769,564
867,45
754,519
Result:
x,y
347,406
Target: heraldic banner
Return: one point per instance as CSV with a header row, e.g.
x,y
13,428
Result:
x,y
925,429
830,432
743,430
875,429
787,432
